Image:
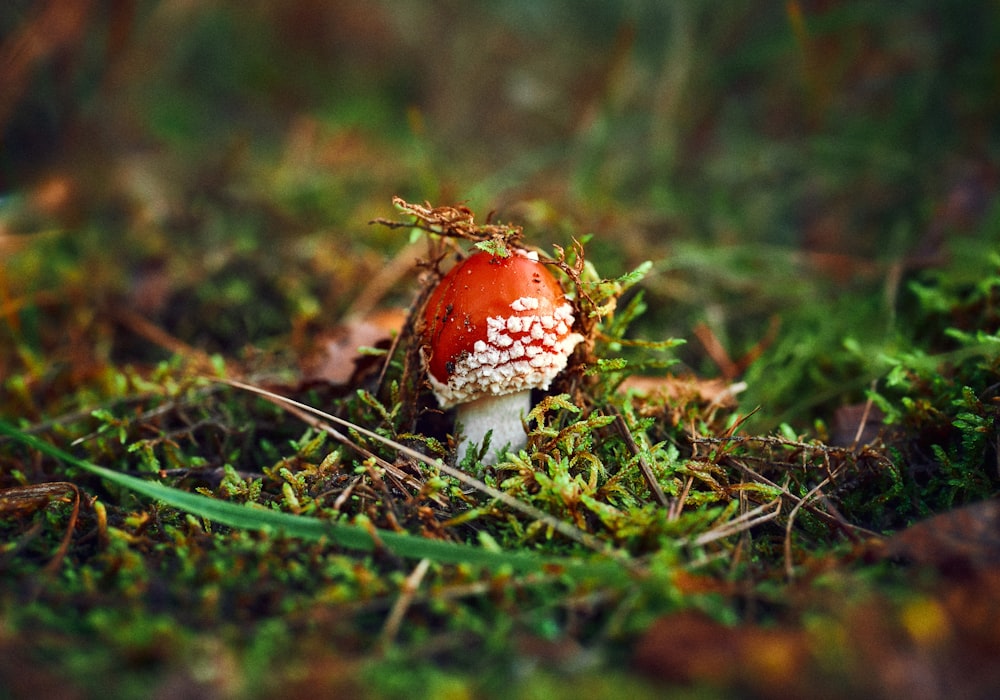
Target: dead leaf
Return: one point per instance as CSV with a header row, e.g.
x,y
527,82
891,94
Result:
x,y
856,424
682,389
962,541
332,355
689,647
951,636
731,369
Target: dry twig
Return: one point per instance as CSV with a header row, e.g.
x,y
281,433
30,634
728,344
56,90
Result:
x,y
410,587
647,471
567,530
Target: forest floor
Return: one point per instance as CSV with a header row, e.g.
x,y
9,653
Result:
x,y
769,469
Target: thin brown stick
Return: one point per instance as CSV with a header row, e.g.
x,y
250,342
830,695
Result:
x,y
566,529
409,590
849,529
454,221
864,419
742,522
789,568
383,280
390,468
716,351
68,536
647,471
143,327
678,505
345,494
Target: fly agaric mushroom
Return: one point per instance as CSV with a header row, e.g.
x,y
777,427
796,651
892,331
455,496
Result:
x,y
494,329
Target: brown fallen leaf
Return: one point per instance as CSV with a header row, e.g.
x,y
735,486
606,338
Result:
x,y
332,354
945,642
939,641
856,424
683,389
962,541
689,647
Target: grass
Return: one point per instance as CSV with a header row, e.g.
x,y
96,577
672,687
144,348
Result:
x,y
205,489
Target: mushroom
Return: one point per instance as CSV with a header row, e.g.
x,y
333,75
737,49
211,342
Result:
x,y
494,329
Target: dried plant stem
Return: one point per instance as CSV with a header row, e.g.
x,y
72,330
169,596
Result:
x,y
346,493
410,587
678,505
789,568
752,518
832,517
457,222
849,529
300,412
567,530
647,471
864,418
144,328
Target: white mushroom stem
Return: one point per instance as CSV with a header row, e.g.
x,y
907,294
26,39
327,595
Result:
x,y
502,415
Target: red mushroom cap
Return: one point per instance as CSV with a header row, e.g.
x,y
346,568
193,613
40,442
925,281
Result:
x,y
496,326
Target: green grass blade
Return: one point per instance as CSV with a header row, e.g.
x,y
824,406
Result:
x,y
309,528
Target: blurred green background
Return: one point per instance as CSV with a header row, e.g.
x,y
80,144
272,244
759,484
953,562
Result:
x,y
788,166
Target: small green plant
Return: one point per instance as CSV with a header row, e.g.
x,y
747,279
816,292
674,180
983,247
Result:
x,y
939,397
